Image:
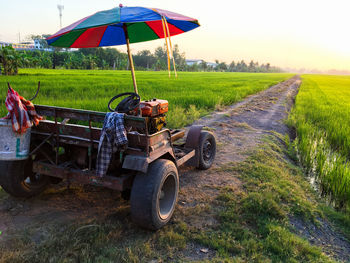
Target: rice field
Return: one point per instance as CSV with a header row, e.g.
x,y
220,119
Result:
x,y
190,96
322,119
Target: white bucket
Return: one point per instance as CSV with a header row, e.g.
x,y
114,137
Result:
x,y
12,145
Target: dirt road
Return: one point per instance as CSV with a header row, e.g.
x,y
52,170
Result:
x,y
239,130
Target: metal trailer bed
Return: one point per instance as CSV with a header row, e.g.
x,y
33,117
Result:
x,y
146,171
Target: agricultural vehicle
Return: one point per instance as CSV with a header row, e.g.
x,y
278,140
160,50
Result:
x,y
146,171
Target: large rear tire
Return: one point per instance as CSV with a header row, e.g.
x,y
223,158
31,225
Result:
x,y
18,180
154,195
207,150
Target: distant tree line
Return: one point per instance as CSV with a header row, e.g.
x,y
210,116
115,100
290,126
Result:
x,y
87,58
240,66
111,58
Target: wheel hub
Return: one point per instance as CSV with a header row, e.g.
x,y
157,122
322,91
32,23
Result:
x,y
167,196
207,151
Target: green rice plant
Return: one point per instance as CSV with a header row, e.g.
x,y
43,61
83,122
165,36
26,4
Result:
x,y
322,119
91,89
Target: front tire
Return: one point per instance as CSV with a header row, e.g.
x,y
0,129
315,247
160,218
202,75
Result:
x,y
154,195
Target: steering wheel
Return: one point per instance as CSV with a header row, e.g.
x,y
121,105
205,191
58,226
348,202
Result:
x,y
131,102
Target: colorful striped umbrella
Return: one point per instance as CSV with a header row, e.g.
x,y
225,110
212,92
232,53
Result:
x,y
122,25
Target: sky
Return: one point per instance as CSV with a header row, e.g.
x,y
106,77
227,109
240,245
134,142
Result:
x,y
311,34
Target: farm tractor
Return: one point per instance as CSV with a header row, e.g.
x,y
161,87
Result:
x,y
64,146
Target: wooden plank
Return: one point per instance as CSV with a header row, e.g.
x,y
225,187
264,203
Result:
x,y
177,134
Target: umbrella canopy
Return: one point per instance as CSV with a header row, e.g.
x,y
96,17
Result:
x,y
107,28
123,25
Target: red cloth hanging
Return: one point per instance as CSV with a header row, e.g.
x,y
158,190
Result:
x,y
21,112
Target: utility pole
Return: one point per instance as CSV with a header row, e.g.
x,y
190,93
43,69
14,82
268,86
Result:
x,y
60,8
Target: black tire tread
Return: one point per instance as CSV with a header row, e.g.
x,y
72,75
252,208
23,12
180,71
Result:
x,y
142,194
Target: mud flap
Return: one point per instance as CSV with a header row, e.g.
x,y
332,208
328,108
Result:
x,y
137,163
192,142
141,163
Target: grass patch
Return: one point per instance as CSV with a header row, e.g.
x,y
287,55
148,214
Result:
x,y
94,242
180,117
254,224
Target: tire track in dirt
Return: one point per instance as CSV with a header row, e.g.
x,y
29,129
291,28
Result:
x,y
238,129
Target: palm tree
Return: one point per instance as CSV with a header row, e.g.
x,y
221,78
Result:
x,y
10,60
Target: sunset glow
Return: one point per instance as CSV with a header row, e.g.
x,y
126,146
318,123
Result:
x,y
296,34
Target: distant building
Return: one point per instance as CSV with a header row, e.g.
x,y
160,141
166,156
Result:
x,y
18,46
5,44
23,46
191,62
212,64
36,45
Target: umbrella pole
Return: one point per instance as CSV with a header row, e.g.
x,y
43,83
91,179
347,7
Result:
x,y
130,58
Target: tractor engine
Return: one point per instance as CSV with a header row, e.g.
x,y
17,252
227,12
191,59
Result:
x,y
154,110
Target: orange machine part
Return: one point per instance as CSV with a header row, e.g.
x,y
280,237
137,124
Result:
x,y
154,107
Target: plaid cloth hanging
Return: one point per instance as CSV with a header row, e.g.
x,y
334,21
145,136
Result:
x,y
21,112
113,137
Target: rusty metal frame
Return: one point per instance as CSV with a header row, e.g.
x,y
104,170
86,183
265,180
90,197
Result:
x,y
91,147
186,158
143,148
41,144
79,176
